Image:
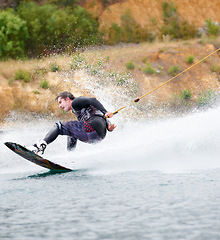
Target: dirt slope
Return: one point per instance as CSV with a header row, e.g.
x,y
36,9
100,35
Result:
x,y
144,11
31,97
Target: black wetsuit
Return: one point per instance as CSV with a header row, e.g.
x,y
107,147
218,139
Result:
x,y
91,111
91,125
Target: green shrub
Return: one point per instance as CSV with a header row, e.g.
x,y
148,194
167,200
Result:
x,y
41,71
64,3
130,65
181,102
215,68
78,58
10,81
206,98
86,29
122,79
190,59
212,28
23,75
13,36
54,68
174,25
149,69
186,95
173,70
37,18
128,31
114,34
51,28
144,60
187,30
99,63
78,61
112,74
94,71
44,84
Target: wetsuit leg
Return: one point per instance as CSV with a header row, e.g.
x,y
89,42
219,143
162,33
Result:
x,y
52,134
79,130
74,130
71,143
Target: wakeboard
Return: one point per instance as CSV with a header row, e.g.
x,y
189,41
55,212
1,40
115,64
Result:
x,y
32,157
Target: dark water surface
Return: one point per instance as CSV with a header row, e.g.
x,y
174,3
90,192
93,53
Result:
x,y
153,180
129,205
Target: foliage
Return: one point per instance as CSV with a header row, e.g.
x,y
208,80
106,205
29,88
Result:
x,y
41,71
64,3
78,60
13,35
122,80
47,26
182,102
114,34
51,28
44,84
54,68
212,28
186,95
206,98
23,75
130,65
128,31
86,31
173,70
190,59
216,68
36,92
149,69
10,80
174,25
37,18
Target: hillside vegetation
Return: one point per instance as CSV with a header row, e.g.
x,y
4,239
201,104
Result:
x,y
114,50
116,74
36,28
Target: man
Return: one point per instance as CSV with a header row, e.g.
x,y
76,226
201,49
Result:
x,y
91,126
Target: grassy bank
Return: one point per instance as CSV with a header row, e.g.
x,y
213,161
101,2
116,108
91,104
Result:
x,y
117,74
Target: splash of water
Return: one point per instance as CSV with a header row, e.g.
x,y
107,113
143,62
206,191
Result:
x,y
189,143
169,145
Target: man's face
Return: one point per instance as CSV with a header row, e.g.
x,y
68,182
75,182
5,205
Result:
x,y
65,104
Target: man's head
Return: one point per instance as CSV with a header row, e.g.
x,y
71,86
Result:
x,y
64,100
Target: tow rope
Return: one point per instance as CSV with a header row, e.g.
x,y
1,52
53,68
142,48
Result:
x,y
139,98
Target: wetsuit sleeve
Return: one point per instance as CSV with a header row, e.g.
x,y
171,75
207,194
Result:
x,y
84,102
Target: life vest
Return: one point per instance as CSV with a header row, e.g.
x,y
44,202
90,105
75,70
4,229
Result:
x,y
86,113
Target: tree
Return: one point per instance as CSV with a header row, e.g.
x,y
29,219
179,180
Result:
x,y
13,35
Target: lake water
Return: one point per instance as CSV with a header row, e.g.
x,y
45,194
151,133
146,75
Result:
x,y
157,179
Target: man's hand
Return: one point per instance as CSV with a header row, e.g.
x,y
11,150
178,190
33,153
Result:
x,y
109,115
111,127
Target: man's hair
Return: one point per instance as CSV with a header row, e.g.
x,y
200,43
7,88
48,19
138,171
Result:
x,y
65,95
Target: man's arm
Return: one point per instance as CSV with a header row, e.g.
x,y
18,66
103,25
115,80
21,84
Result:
x,y
110,126
84,102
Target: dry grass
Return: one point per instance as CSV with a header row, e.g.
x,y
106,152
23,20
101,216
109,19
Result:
x,y
113,59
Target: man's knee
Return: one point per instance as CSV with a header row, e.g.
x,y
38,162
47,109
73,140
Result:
x,y
71,143
59,126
